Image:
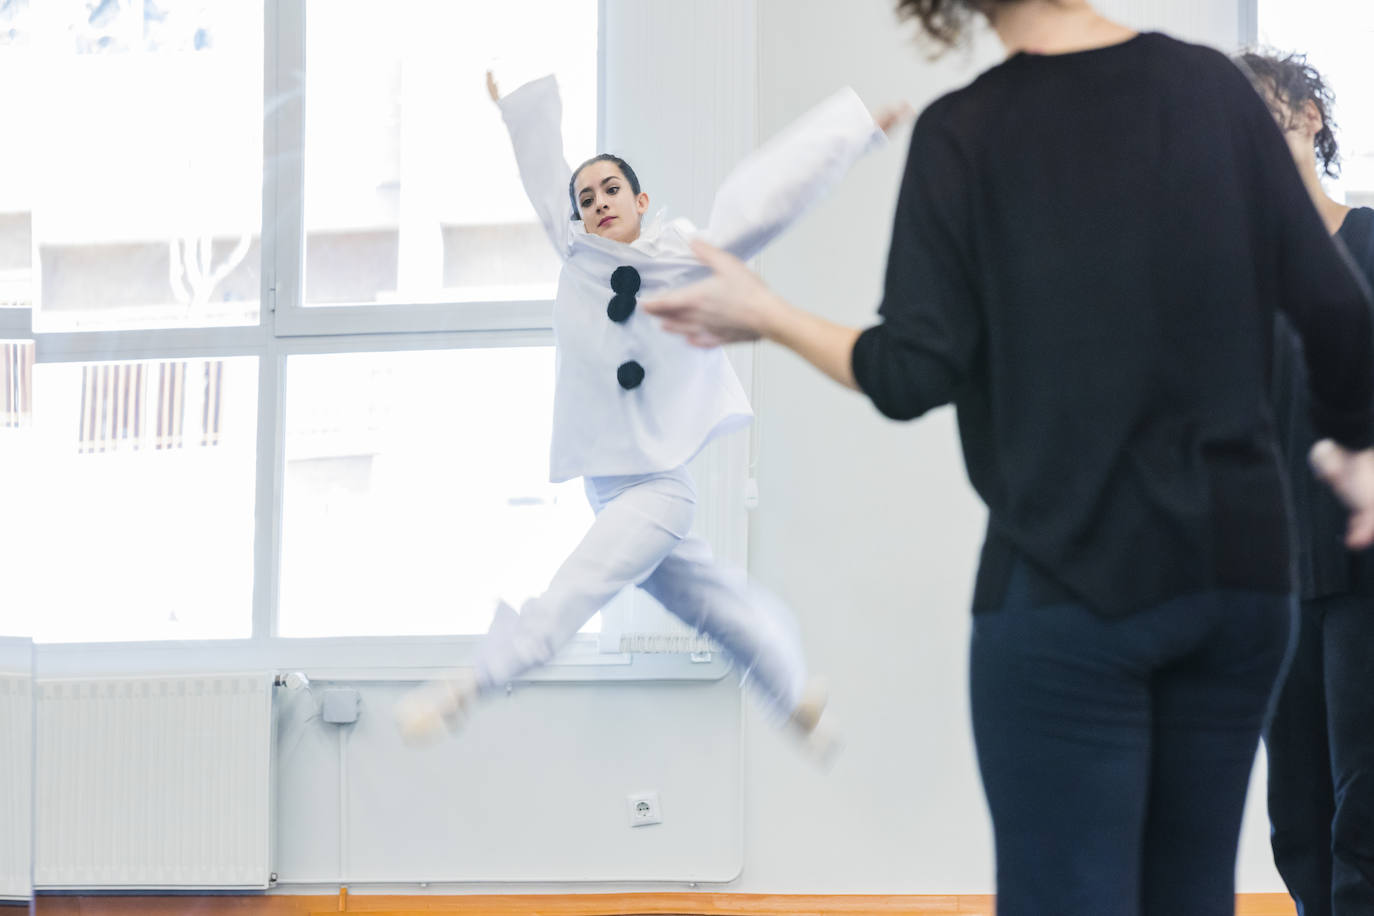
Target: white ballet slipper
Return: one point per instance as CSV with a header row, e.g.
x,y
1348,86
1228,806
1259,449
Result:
x,y
817,733
426,712
806,715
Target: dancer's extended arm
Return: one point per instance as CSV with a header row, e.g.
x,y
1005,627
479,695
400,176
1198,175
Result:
x,y
773,186
533,115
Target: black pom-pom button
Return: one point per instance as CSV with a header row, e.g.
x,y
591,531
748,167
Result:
x,y
629,375
625,281
621,308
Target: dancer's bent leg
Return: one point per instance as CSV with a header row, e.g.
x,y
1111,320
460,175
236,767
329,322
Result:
x,y
638,525
753,626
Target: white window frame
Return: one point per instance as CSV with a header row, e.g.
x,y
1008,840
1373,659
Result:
x,y
1248,29
286,328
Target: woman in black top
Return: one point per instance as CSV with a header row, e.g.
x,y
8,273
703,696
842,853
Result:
x,y
1090,244
1321,735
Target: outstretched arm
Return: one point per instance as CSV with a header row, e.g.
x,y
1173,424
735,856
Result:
x,y
922,351
734,305
777,183
533,115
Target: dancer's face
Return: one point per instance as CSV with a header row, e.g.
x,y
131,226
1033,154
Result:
x,y
607,204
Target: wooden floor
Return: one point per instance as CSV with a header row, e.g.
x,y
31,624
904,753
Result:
x,y
689,904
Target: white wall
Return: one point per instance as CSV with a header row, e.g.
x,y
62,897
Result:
x,y
534,789
870,528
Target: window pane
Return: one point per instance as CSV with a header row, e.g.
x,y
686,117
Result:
x,y
18,161
143,521
135,197
19,504
1336,36
417,490
411,189
16,251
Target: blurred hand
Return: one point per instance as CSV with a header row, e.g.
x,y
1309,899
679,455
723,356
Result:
x,y
731,305
492,89
1351,475
891,117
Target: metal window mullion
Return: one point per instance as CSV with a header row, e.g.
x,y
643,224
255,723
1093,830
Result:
x,y
1249,23
158,343
601,75
267,514
417,318
282,256
384,658
417,341
284,158
283,248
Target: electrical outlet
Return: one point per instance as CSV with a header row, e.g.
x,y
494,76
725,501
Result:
x,y
644,809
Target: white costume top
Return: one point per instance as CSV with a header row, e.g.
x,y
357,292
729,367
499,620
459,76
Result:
x,y
687,396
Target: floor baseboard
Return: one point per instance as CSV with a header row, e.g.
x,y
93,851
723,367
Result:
x,y
678,904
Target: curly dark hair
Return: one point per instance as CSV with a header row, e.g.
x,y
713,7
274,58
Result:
x,y
1288,80
944,21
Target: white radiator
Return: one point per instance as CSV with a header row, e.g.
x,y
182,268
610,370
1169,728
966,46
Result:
x,y
156,783
16,791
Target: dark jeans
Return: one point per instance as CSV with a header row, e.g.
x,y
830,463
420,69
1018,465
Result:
x,y
1321,761
1116,753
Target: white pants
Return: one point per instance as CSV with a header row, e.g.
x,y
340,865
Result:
x,y
640,537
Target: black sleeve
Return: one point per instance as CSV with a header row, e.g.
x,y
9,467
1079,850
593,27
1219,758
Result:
x,y
920,353
1320,291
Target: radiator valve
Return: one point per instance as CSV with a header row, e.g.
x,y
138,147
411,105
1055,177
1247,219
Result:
x,y
294,680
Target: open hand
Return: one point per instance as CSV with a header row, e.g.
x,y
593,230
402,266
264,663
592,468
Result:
x,y
731,305
1351,475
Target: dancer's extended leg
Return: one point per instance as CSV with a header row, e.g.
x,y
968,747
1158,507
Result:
x,y
755,627
633,532
639,521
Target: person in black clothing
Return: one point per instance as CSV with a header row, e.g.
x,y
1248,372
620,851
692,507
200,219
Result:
x,y
1090,245
1321,736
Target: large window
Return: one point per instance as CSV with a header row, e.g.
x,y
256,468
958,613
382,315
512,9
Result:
x,y
275,357
415,490
1338,38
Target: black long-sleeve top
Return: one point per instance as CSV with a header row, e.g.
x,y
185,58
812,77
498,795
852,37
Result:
x,y
1325,567
1087,256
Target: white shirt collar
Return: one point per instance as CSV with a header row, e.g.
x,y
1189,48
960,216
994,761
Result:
x,y
650,235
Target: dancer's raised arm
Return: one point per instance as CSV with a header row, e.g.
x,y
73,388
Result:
x,y
777,183
533,115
